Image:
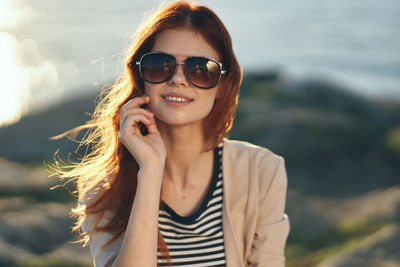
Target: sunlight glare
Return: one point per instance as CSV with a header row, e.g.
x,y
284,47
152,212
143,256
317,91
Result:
x,y
11,74
14,81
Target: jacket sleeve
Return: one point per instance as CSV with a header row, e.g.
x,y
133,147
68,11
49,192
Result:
x,y
272,224
102,256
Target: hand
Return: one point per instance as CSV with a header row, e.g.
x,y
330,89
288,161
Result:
x,y
148,150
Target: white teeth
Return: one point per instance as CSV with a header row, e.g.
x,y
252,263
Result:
x,y
178,99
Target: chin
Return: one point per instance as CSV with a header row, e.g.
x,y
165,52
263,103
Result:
x,y
179,121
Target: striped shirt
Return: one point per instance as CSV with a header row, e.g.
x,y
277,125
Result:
x,y
197,239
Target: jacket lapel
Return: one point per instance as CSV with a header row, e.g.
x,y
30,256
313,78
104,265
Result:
x,y
231,241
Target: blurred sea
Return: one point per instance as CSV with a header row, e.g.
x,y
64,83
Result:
x,y
50,49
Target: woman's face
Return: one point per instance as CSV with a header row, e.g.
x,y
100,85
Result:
x,y
181,43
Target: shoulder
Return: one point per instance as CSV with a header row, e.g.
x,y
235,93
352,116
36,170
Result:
x,y
262,167
241,150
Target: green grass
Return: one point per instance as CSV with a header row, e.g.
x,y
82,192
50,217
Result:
x,y
61,195
346,236
48,262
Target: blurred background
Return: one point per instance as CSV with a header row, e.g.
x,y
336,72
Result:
x,y
321,88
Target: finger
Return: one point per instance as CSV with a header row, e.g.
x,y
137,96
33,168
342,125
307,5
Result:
x,y
152,127
135,102
133,120
143,111
131,124
135,111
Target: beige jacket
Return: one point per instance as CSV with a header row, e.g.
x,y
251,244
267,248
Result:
x,y
254,223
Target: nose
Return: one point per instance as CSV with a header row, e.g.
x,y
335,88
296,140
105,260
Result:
x,y
179,78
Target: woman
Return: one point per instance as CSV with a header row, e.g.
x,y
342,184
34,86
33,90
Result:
x,y
162,186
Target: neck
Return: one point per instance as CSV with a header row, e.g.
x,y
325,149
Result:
x,y
186,151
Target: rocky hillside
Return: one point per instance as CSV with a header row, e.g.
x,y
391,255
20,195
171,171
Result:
x,y
342,155
34,220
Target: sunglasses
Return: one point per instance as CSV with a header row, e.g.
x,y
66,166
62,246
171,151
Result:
x,y
202,72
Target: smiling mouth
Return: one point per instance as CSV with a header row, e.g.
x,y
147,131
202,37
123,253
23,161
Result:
x,y
177,99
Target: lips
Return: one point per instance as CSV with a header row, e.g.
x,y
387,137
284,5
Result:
x,y
178,97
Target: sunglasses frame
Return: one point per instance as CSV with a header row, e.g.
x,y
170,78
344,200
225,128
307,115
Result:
x,y
221,72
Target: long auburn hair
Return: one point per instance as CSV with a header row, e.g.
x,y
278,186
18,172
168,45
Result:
x,y
107,175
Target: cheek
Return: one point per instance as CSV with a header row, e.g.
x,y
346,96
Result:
x,y
148,89
209,101
212,94
151,90
210,104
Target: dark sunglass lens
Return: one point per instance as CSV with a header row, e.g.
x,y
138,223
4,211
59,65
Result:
x,y
157,67
202,72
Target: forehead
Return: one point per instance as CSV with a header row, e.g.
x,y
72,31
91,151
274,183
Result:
x,y
183,43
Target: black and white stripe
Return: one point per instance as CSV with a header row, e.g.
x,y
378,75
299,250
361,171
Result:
x,y
196,240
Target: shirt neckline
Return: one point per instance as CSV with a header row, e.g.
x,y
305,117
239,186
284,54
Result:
x,y
190,219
